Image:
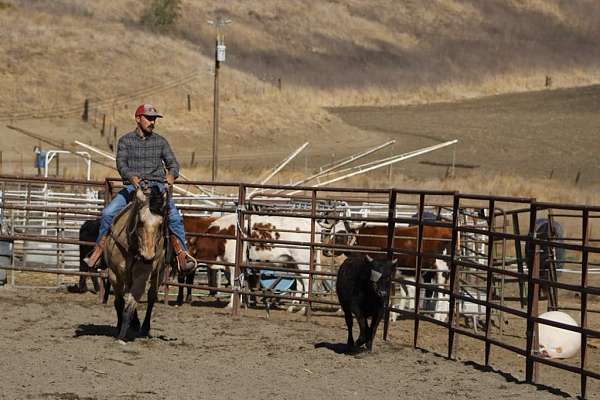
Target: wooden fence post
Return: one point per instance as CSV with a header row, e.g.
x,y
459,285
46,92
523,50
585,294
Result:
x,y
193,159
189,102
103,125
86,105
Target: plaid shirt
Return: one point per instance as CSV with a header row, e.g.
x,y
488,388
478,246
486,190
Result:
x,y
145,157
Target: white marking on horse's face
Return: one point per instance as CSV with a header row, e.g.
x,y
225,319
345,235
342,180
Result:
x,y
140,195
148,229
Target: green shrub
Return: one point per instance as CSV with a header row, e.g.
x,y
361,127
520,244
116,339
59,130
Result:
x,y
161,14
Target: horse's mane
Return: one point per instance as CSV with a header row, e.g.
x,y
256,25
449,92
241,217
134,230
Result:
x,y
157,200
125,222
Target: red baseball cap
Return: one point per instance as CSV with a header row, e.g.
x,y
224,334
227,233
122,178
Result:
x,y
148,110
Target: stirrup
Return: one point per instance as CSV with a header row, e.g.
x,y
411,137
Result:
x,y
190,265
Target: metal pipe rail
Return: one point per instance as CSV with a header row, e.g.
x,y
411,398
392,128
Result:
x,y
487,229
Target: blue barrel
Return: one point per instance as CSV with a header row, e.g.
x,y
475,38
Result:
x,y
274,281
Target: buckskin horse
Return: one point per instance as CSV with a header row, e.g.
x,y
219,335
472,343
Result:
x,y
136,255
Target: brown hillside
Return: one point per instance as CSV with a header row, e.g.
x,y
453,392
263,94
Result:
x,y
57,53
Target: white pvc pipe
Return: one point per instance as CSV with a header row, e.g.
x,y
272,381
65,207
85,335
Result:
x,y
336,165
281,166
388,161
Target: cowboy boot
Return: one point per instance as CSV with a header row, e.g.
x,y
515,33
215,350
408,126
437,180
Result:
x,y
185,262
92,259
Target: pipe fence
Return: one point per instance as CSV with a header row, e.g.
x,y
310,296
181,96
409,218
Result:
x,y
471,264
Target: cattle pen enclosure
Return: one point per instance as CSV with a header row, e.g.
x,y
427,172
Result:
x,y
498,275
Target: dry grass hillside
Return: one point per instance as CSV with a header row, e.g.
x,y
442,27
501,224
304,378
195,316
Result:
x,y
56,53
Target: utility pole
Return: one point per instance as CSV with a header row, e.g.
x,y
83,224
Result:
x,y
219,58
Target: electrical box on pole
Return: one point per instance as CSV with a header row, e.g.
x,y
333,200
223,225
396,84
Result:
x,y
221,52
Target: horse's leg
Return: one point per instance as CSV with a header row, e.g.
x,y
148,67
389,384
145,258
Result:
x,y
140,273
119,305
189,279
96,284
135,321
128,311
152,297
106,290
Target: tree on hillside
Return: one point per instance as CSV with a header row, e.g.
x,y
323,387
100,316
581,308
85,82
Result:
x,y
161,14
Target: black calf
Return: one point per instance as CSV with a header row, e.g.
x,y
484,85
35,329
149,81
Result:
x,y
89,233
362,287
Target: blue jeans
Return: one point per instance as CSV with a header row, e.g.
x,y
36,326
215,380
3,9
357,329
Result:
x,y
120,201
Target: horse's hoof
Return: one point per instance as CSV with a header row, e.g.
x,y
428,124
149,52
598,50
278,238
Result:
x,y
75,289
121,342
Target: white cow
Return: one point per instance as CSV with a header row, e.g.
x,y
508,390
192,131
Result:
x,y
269,228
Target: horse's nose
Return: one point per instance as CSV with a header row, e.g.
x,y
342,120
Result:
x,y
147,256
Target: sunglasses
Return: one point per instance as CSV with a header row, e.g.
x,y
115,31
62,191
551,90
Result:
x,y
150,118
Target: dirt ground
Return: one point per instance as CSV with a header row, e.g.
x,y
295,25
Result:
x,y
58,345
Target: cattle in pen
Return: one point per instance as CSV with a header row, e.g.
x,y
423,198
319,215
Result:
x,y
362,287
266,231
435,246
197,246
88,232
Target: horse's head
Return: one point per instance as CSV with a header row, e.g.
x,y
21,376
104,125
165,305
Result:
x,y
150,206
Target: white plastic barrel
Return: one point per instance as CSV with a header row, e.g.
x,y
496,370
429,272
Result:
x,y
556,342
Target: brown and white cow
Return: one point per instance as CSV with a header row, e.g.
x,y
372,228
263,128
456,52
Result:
x,y
196,245
436,242
269,228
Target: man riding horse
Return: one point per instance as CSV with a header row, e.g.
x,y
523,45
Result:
x,y
143,155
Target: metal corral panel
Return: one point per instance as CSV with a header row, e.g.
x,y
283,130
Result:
x,y
5,259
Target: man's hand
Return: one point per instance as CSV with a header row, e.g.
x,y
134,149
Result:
x,y
135,181
170,179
